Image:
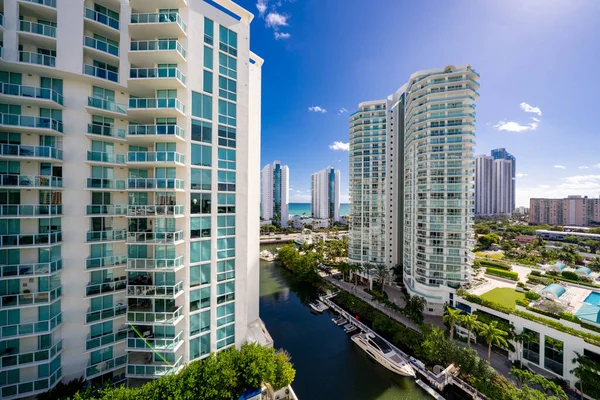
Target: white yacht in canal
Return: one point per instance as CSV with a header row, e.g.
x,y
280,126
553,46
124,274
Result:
x,y
381,352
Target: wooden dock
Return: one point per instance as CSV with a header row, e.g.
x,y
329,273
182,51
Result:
x,y
429,390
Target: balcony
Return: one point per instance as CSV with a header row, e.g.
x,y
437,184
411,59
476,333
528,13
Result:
x,y
30,124
143,367
30,181
146,184
145,316
106,314
150,343
143,5
166,291
101,23
31,240
150,264
162,51
100,50
94,289
28,389
30,210
100,73
30,95
30,328
106,132
28,57
151,25
100,157
47,7
30,270
107,262
30,299
155,237
105,108
154,133
105,366
116,235
33,153
31,357
145,81
106,184
155,158
155,211
40,35
153,108
105,340
114,210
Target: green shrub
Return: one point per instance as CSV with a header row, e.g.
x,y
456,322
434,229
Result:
x,y
543,312
532,295
569,317
539,280
523,302
536,273
494,264
503,273
570,275
520,284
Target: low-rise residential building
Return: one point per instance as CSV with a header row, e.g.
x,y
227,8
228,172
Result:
x,y
525,239
574,211
560,235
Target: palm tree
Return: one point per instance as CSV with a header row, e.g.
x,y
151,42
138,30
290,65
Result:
x,y
470,322
451,318
521,339
585,368
382,273
493,335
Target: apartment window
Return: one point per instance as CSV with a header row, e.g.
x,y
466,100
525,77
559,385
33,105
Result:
x,y
227,66
199,323
201,179
226,158
199,274
225,247
225,225
199,227
227,88
208,57
226,203
227,41
227,136
200,251
201,155
226,181
10,77
10,138
199,346
209,29
225,270
101,355
106,11
106,66
199,299
103,94
200,203
225,292
225,314
553,355
201,131
201,105
225,336
207,82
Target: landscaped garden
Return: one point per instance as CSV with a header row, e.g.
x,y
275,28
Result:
x,y
504,296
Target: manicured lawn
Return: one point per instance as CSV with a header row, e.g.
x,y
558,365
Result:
x,y
504,296
485,254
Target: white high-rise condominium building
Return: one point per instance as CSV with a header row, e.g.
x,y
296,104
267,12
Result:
x,y
484,167
494,184
325,192
502,187
129,174
274,193
426,186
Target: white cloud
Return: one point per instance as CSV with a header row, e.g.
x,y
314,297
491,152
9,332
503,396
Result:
x,y
520,175
261,5
584,185
300,198
342,111
560,167
535,119
596,165
544,186
280,35
530,109
583,167
344,198
275,20
317,109
511,126
339,146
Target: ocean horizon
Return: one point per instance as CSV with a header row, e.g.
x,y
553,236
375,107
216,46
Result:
x,y
305,208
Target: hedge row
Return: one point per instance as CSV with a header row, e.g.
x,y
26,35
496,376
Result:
x,y
494,264
503,273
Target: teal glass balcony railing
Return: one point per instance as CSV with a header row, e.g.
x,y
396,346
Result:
x,y
93,289
157,45
31,299
26,121
38,29
155,130
112,312
101,46
36,58
109,338
100,156
105,262
151,183
139,315
153,370
109,131
101,18
106,209
24,270
159,18
157,73
32,92
47,3
154,237
22,389
106,236
150,263
105,366
100,73
30,210
155,290
154,211
155,157
30,328
140,104
108,105
105,183
19,359
30,151
134,342
34,239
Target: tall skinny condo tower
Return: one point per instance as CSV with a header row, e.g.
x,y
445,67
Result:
x,y
325,202
130,134
422,200
274,189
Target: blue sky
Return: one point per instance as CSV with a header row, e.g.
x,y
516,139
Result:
x,y
537,59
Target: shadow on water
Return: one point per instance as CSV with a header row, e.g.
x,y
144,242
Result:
x,y
329,365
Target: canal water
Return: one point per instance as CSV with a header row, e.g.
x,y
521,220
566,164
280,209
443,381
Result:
x,y
329,366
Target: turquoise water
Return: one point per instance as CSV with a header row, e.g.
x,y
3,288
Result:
x,y
300,208
593,298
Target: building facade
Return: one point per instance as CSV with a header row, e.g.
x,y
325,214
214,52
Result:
x,y
502,154
423,198
325,194
494,185
572,211
275,189
129,162
484,177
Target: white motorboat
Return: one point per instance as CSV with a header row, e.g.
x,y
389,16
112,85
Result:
x,y
381,352
318,306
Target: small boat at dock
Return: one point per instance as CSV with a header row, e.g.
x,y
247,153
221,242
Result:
x,y
266,255
318,306
381,352
339,320
349,328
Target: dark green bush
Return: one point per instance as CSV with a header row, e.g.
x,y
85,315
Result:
x,y
503,273
532,295
570,275
494,264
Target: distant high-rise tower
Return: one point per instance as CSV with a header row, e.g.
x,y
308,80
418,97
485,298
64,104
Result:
x,y
274,188
484,166
505,155
502,187
494,184
326,194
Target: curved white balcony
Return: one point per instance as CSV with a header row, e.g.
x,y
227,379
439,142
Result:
x,y
146,316
104,340
117,235
151,25
145,81
142,366
100,73
27,298
31,210
149,342
105,366
155,291
30,181
103,158
101,23
155,237
30,358
100,50
30,95
152,108
155,158
150,264
155,211
106,132
40,35
107,262
106,108
150,184
29,270
143,5
95,289
154,133
118,311
106,184
114,210
161,51
34,153
43,60
28,240
45,9
30,124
